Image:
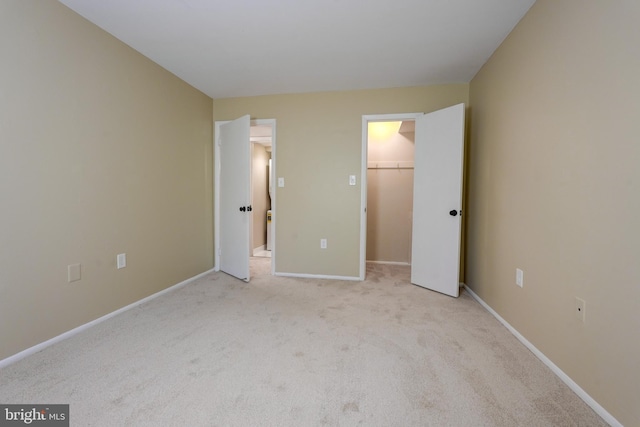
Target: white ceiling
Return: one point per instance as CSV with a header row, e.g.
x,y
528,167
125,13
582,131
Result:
x,y
229,48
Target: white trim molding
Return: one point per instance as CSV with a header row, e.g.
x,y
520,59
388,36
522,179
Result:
x,y
554,368
39,347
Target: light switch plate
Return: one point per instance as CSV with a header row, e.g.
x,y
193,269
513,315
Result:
x,y
519,277
352,180
121,261
280,182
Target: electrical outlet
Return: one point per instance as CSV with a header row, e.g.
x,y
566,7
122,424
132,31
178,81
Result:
x,y
73,272
121,261
580,309
323,243
519,277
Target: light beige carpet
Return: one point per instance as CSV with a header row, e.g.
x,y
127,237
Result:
x,y
298,352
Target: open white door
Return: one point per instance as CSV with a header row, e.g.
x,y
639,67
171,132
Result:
x,y
437,200
235,197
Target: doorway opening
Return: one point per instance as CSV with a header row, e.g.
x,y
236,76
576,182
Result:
x,y
234,219
261,190
390,163
438,159
388,142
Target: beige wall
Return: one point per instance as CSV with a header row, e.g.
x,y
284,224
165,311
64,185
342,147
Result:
x,y
319,144
260,188
390,198
555,190
101,152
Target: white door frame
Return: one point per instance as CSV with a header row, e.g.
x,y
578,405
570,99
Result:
x,y
363,178
216,189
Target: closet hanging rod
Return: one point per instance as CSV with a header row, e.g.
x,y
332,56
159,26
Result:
x,y
390,165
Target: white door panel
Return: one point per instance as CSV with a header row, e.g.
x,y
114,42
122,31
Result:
x,y
437,200
235,197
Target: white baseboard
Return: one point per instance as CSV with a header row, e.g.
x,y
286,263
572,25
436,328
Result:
x,y
259,249
564,377
389,262
38,347
317,276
